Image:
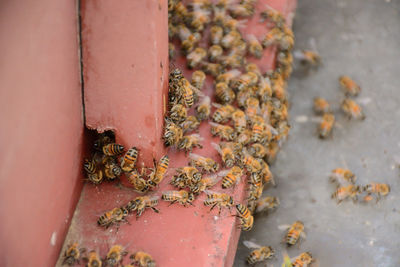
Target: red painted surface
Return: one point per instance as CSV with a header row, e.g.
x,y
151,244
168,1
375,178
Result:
x,y
126,70
115,99
42,129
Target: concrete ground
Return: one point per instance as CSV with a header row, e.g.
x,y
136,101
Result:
x,y
360,38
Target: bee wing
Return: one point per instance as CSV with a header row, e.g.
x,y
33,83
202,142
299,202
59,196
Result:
x,y
261,207
170,192
284,226
270,7
214,124
234,73
216,105
154,197
252,38
210,192
303,235
298,54
197,91
223,172
313,44
216,147
214,178
194,156
250,244
197,136
205,100
364,101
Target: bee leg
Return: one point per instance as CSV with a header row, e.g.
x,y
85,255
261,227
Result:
x,y
213,206
173,202
155,210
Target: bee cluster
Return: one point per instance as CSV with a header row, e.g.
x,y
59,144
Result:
x,y
294,233
346,188
349,107
251,110
104,162
114,257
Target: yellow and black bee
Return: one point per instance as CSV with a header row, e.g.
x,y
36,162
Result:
x,y
113,149
128,162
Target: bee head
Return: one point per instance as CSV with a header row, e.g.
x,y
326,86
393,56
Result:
x,y
191,197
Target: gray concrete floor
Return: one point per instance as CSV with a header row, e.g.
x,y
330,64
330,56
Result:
x,y
360,38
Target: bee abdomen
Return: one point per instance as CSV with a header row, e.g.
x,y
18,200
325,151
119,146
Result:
x,y
113,149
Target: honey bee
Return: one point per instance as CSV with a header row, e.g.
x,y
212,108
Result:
x,y
272,37
348,191
111,169
252,164
226,152
244,137
255,193
350,87
159,171
266,204
189,44
259,253
172,133
378,189
191,174
308,57
246,219
198,18
257,150
143,259
95,176
214,69
216,33
294,232
303,260
225,132
114,216
141,203
231,177
178,113
286,41
352,109
103,139
205,183
252,108
128,162
227,76
223,113
188,142
230,39
190,124
255,47
239,120
180,10
326,125
273,15
342,176
219,200
264,90
321,106
137,181
206,164
182,197
233,60
215,52
171,50
230,24
203,110
224,94
113,149
198,78
73,254
93,259
241,10
195,57
115,255
247,79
